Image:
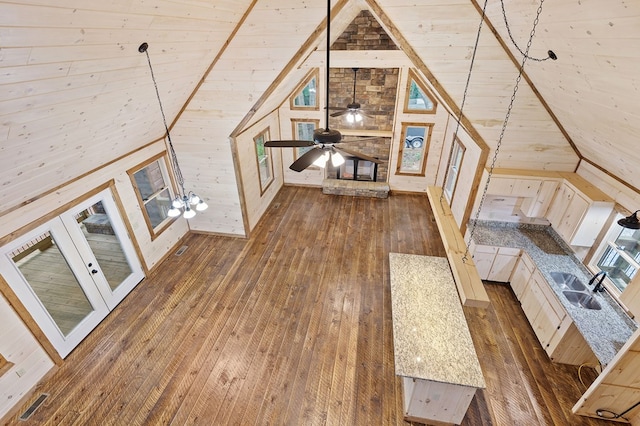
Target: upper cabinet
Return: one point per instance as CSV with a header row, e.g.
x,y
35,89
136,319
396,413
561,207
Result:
x,y
579,211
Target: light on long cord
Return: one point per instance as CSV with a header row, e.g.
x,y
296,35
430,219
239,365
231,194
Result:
x,y
183,200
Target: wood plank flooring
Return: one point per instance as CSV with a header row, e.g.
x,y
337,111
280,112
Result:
x,y
292,327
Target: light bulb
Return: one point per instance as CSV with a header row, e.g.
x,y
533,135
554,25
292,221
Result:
x,y
350,118
322,160
358,117
177,203
173,212
202,206
337,159
188,213
194,199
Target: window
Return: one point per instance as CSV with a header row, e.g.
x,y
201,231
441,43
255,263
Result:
x,y
619,255
418,99
151,183
303,130
412,156
263,157
305,95
454,169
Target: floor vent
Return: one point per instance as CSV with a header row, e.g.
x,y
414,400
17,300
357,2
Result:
x,y
33,407
181,250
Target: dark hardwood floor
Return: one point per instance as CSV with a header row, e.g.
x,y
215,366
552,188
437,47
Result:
x,y
292,327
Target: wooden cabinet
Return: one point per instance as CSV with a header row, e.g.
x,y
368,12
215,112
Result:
x,y
495,263
579,211
539,205
554,328
522,274
514,186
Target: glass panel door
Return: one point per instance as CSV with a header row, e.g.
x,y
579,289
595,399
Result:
x,y
48,276
104,245
72,271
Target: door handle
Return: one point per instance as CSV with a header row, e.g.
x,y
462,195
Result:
x,y
94,271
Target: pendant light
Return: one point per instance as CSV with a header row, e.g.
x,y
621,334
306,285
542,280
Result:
x,y
185,202
631,221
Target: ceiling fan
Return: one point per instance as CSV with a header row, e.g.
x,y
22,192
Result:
x,y
327,143
353,111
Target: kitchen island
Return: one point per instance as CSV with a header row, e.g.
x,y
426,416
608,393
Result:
x,y
605,330
433,350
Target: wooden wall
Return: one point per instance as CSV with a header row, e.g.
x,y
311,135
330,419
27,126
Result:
x,y
258,199
30,361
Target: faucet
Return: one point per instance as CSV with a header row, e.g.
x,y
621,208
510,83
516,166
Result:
x,y
598,286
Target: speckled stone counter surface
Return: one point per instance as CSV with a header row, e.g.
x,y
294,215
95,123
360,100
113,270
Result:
x,y
605,330
430,333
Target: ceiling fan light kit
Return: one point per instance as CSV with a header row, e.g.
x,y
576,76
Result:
x,y
327,143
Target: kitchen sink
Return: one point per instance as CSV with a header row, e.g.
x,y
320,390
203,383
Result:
x,y
582,300
567,281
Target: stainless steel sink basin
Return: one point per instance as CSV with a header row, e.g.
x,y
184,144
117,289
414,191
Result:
x,y
568,281
582,300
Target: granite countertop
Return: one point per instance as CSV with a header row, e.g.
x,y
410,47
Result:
x,y
605,330
430,333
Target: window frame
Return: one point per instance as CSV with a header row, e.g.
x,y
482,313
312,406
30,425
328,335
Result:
x,y
268,158
296,135
314,73
413,76
4,365
169,184
609,241
462,149
425,149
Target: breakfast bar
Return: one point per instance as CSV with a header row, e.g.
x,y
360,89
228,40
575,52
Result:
x,y
433,350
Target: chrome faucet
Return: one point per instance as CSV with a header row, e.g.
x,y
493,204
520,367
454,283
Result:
x,y
598,286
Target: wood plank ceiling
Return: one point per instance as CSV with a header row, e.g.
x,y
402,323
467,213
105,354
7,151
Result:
x,y
76,93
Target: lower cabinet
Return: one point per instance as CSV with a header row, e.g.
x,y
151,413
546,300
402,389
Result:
x,y
495,263
554,328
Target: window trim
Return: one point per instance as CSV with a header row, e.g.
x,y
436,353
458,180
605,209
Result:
x,y
413,76
169,185
463,150
294,132
268,156
5,365
314,73
425,148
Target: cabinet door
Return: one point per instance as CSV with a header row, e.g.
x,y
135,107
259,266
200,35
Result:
x,y
531,301
527,188
551,313
483,257
521,275
538,206
572,217
504,264
559,205
500,185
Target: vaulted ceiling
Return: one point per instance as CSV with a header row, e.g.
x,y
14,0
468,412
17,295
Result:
x,y
76,93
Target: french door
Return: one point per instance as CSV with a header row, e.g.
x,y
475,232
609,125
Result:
x,y
73,270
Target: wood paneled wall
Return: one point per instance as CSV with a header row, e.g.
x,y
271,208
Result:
x,y
30,361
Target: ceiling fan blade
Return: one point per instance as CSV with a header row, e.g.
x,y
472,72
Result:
x,y
339,113
288,144
306,159
358,154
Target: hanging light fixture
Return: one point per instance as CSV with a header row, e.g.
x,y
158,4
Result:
x,y
185,202
329,154
630,221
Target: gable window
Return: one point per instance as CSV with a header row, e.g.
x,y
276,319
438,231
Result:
x,y
152,186
457,153
263,158
303,131
413,149
418,99
619,255
305,96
